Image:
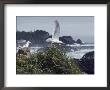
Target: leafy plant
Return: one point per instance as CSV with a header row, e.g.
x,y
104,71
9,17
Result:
x,y
52,60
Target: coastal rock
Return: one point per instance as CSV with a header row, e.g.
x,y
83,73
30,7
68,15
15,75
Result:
x,y
39,37
78,41
67,39
87,63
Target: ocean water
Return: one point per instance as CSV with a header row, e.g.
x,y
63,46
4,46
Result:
x,y
81,50
79,54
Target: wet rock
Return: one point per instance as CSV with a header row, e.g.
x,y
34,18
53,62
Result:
x,y
87,62
67,39
78,41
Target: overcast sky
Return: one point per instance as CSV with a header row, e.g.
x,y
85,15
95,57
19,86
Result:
x,y
76,26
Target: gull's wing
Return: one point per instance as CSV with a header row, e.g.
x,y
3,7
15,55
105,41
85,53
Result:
x,y
56,33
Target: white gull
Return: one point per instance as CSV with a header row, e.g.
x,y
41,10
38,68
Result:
x,y
56,34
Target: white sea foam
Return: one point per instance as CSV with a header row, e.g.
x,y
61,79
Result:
x,y
79,45
81,50
78,54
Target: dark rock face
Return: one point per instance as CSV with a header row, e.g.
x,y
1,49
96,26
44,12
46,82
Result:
x,y
36,37
67,39
79,41
87,62
39,37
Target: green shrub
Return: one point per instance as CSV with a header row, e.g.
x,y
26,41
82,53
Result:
x,y
52,60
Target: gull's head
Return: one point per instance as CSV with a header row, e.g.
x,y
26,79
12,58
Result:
x,y
28,42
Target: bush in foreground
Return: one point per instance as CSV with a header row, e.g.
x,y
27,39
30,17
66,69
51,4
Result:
x,y
50,61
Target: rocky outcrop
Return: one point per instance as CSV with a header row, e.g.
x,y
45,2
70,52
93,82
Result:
x,y
36,37
78,41
67,39
87,62
39,37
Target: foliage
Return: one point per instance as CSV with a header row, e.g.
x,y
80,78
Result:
x,y
52,60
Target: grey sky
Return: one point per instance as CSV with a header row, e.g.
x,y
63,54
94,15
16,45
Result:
x,y
76,26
